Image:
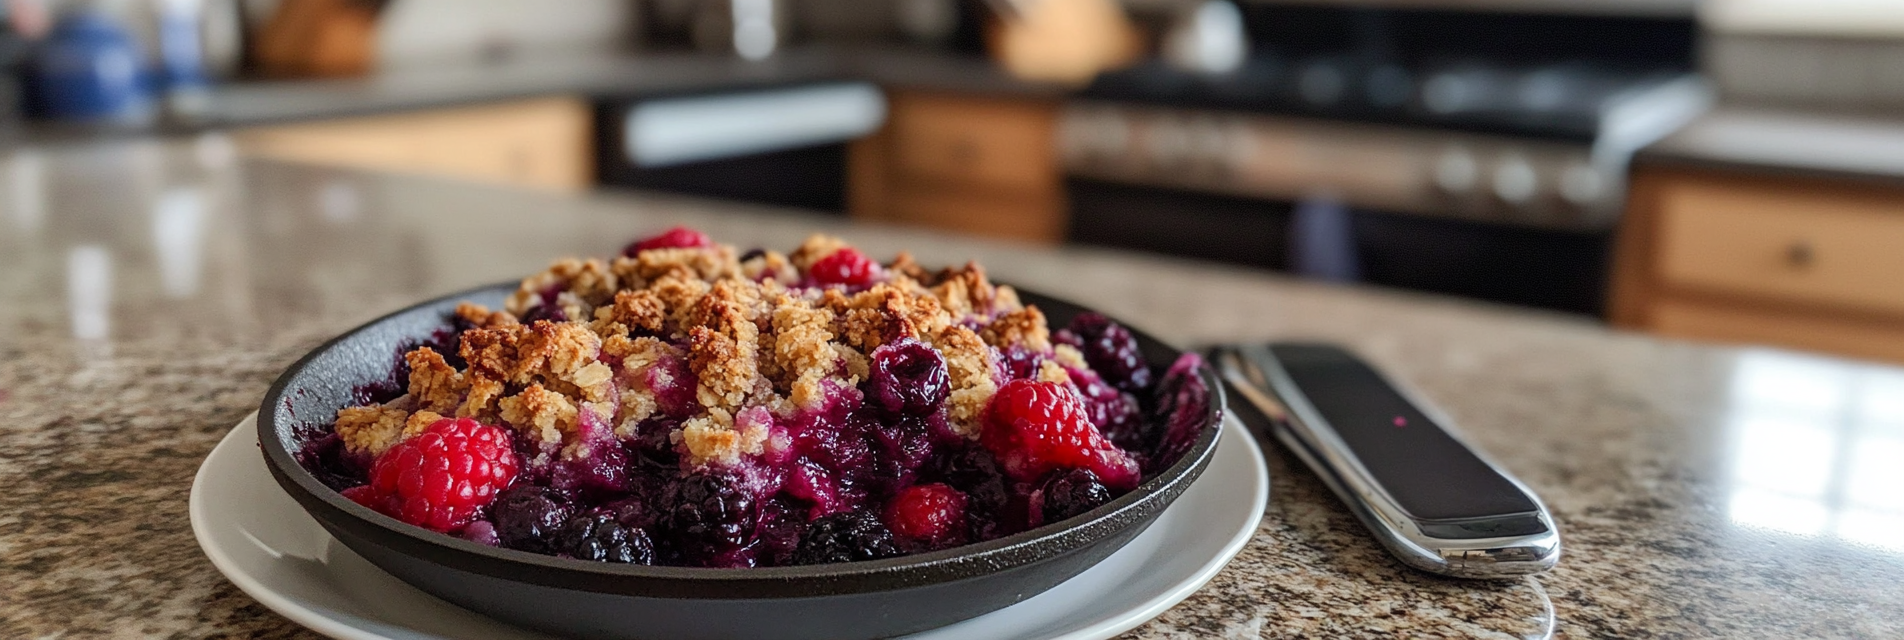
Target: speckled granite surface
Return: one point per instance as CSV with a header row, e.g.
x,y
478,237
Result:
x,y
149,293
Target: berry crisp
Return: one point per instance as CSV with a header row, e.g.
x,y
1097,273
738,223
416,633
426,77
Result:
x,y
684,404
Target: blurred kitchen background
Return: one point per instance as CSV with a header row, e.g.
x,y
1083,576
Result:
x,y
1725,170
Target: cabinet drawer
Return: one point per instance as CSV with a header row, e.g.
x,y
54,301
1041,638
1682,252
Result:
x,y
1793,245
1708,321
974,141
541,143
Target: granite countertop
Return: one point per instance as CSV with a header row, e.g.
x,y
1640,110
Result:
x,y
1787,140
150,291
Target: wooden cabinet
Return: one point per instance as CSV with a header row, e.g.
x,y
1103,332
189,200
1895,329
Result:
x,y
979,165
1811,263
541,143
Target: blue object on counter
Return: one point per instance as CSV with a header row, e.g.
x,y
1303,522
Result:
x,y
181,54
1322,242
90,68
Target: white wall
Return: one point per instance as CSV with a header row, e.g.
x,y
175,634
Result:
x,y
421,31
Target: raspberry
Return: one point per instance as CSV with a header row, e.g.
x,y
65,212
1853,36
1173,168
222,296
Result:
x,y
600,537
909,378
845,537
930,513
974,470
444,477
676,238
365,495
1066,494
1110,349
846,266
527,516
1034,427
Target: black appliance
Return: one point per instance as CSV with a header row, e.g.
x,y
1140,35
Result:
x,y
1473,152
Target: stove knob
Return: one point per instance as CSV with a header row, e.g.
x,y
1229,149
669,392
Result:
x,y
1515,181
1456,171
1321,83
1389,86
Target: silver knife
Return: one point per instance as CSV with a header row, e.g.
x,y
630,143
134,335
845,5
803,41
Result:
x,y
1428,496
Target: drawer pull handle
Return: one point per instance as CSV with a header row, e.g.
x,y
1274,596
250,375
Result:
x,y
1800,255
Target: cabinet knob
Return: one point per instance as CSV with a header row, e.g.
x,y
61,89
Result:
x,y
1800,255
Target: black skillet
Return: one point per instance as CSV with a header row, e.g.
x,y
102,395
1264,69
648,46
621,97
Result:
x,y
871,599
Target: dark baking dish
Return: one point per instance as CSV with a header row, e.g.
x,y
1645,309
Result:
x,y
870,599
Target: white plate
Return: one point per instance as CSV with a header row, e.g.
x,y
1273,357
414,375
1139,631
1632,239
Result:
x,y
268,546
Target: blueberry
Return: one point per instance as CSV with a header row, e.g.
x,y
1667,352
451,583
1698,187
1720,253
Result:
x,y
546,311
327,459
1021,363
909,378
845,537
1070,492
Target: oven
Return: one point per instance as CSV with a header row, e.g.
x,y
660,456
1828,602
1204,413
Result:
x,y
1476,153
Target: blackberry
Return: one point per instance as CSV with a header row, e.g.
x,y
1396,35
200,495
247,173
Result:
x,y
1071,492
600,538
1183,406
527,517
974,471
845,537
1116,414
711,513
1110,349
908,379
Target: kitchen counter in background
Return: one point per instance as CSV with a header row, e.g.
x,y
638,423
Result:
x,y
150,291
599,75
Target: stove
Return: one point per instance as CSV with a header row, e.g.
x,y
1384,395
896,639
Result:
x,y
1497,122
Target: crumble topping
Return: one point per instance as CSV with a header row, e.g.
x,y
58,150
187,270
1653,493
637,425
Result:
x,y
971,364
371,429
1025,327
434,385
544,415
695,335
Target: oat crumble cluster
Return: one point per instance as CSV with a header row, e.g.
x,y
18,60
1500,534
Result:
x,y
686,404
